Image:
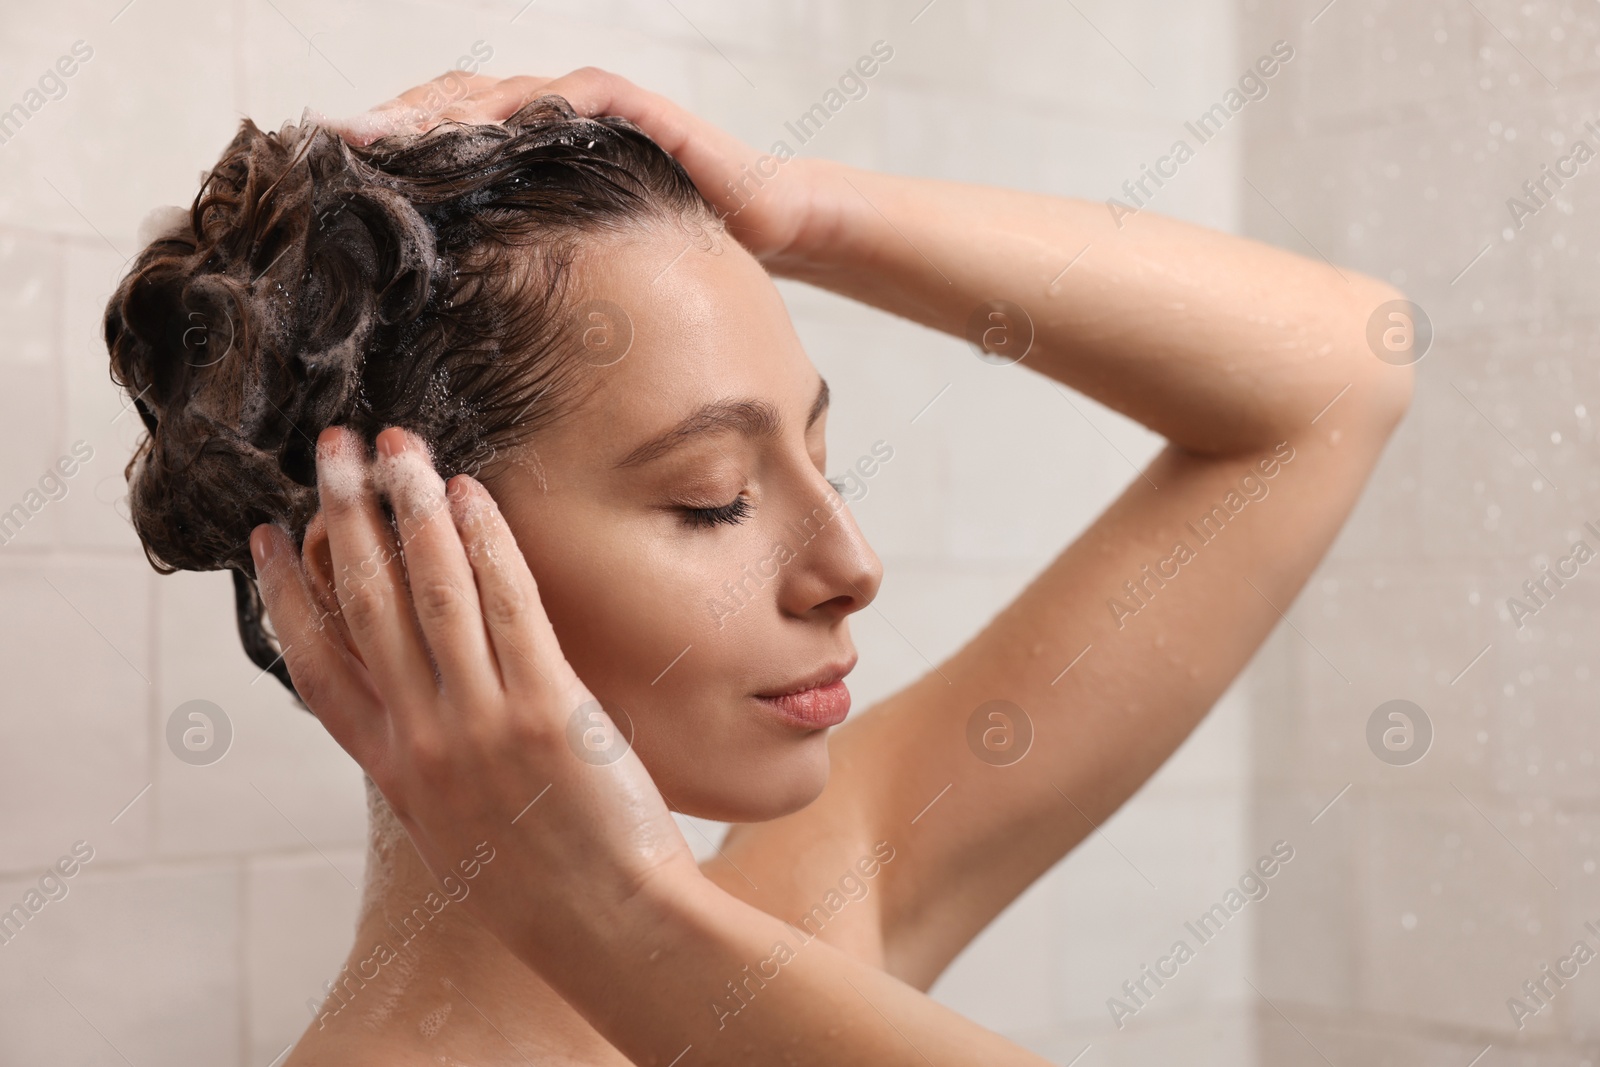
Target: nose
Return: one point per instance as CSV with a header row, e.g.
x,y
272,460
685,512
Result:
x,y
835,573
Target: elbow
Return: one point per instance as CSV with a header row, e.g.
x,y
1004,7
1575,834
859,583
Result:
x,y
1396,334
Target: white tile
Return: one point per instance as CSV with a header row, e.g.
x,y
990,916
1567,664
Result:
x,y
97,412
1023,944
94,162
144,968
284,783
75,647
1455,905
30,391
299,924
1159,862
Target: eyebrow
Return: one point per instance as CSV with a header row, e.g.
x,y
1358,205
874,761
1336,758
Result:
x,y
752,418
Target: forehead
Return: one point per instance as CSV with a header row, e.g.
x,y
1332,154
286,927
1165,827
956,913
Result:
x,y
673,320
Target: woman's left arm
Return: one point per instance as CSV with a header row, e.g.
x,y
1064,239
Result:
x,y
1253,362
1221,344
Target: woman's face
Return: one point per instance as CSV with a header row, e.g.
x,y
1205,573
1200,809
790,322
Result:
x,y
688,547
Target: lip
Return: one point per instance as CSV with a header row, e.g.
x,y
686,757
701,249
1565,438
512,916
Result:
x,y
827,675
818,702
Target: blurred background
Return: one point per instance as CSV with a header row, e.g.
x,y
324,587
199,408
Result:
x,y
1414,142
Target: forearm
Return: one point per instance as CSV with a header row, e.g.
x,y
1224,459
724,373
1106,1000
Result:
x,y
687,964
1219,343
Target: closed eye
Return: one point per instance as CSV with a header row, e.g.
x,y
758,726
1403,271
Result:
x,y
732,513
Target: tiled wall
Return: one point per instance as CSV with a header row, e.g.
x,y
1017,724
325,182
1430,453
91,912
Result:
x,y
219,897
1432,891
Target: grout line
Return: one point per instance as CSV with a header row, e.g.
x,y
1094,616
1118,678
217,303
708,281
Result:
x,y
152,840
241,957
193,864
59,344
63,553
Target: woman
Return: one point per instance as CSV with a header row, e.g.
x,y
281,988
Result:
x,y
511,414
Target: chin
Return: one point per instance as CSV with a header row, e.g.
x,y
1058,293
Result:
x,y
752,788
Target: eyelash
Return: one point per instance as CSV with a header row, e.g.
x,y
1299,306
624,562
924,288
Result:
x,y
733,513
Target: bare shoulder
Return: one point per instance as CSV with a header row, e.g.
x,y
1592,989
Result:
x,y
542,1033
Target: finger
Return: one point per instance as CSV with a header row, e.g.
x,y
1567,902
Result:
x,y
497,102
712,157
329,681
367,573
440,579
524,642
316,562
436,94
415,110
593,92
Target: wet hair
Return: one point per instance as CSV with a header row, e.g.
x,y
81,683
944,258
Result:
x,y
422,281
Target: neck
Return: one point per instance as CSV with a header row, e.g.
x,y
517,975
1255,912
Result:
x,y
423,965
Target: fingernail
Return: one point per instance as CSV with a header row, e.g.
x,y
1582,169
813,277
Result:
x,y
258,544
341,468
391,442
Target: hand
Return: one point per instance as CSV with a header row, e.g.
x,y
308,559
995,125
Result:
x,y
413,111
775,219
443,678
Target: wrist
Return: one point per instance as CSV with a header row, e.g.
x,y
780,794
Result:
x,y
600,919
826,201
637,964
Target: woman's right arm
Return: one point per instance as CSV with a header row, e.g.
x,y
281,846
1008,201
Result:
x,y
694,969
439,672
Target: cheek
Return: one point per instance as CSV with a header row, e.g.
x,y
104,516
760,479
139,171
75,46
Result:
x,y
631,608
625,607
